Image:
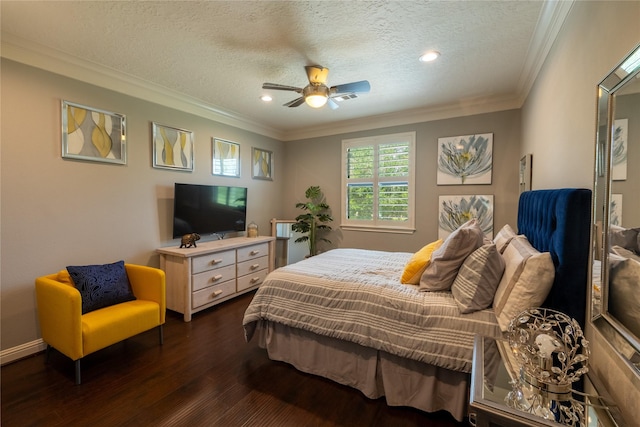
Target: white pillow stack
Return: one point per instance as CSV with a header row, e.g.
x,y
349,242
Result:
x,y
526,281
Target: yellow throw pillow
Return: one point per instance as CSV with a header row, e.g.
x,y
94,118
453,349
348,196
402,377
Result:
x,y
418,263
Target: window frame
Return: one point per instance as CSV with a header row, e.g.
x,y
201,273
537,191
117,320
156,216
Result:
x,y
377,225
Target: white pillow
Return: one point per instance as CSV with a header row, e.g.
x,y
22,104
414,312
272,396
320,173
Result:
x,y
526,282
503,237
625,253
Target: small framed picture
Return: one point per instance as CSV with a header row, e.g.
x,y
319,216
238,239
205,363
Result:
x,y
261,164
172,148
525,173
92,134
226,158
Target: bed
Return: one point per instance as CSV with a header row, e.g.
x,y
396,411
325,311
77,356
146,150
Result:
x,y
344,315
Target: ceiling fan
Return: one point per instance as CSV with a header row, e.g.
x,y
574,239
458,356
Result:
x,y
316,94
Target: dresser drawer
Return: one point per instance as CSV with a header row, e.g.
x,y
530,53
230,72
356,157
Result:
x,y
251,280
213,277
215,260
212,293
253,251
253,265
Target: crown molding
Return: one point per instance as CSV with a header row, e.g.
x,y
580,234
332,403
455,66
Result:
x,y
32,54
550,22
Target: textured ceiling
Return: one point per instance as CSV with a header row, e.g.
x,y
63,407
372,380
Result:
x,y
219,53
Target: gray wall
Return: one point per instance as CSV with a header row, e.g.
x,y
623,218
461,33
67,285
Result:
x,y
57,212
317,162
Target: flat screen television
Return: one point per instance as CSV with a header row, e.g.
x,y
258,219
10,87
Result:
x,y
208,209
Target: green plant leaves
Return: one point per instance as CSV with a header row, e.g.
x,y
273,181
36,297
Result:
x,y
314,219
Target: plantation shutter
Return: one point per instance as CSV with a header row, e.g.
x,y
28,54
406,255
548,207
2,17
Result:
x,y
378,181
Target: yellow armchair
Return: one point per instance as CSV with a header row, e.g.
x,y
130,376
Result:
x,y
65,328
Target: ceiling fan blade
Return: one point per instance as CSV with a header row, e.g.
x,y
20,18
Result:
x,y
296,102
276,86
332,104
355,87
317,74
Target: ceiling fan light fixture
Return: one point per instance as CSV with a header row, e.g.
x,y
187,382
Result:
x,y
316,101
316,96
432,55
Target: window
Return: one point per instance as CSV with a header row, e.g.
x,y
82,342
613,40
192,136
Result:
x,y
378,183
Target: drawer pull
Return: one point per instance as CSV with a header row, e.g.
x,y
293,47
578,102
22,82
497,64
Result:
x,y
255,252
216,278
254,266
255,279
216,294
216,261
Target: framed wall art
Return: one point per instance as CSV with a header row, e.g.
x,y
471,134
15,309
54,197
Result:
x,y
226,158
453,211
172,148
525,173
615,210
465,159
261,164
93,134
619,150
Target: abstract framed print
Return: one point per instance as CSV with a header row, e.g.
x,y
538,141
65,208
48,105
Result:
x,y
93,134
172,148
261,164
226,158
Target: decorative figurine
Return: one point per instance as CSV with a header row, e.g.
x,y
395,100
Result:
x,y
189,240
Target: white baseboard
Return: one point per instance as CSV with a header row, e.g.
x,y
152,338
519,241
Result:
x,y
14,353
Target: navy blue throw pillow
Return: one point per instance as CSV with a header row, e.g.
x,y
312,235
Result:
x,y
101,285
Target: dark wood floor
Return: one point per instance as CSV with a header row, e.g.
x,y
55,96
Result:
x,y
204,375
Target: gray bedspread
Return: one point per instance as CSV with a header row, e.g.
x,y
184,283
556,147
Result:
x,y
356,295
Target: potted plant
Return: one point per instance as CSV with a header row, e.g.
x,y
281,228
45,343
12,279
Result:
x,y
314,220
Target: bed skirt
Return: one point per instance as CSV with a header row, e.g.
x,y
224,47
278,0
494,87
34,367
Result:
x,y
403,382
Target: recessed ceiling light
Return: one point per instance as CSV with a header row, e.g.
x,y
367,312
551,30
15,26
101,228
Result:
x,y
432,55
266,98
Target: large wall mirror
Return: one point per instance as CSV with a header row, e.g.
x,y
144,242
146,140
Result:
x,y
615,310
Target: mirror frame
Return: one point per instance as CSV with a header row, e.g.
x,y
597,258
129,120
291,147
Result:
x,y
623,341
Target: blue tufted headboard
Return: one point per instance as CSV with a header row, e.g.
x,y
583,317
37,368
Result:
x,y
559,221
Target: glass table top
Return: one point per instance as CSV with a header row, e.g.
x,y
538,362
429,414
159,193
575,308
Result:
x,y
498,386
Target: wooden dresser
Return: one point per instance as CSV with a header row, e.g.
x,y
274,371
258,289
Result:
x,y
198,278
